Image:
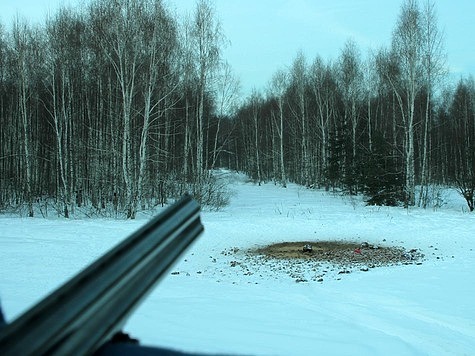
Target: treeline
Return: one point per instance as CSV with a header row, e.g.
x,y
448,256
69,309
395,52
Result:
x,y
121,105
382,125
114,107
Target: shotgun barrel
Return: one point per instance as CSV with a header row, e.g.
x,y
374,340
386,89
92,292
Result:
x,y
91,307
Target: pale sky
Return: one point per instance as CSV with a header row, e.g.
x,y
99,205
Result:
x,y
266,35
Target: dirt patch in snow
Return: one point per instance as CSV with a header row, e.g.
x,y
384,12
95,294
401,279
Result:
x,y
342,253
307,261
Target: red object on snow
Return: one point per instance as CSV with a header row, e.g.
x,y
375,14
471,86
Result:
x,y
357,250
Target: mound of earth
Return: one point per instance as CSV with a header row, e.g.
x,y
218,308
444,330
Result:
x,y
341,253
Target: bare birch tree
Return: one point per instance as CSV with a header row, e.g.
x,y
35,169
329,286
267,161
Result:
x,y
322,90
433,64
60,81
119,38
350,83
189,75
22,52
255,102
206,37
370,80
298,81
159,45
407,47
227,92
279,85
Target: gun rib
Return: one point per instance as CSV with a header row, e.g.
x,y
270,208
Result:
x,y
92,306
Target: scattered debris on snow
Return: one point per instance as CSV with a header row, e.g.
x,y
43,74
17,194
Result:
x,y
312,261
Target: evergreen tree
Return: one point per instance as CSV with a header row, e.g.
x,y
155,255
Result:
x,y
383,183
339,171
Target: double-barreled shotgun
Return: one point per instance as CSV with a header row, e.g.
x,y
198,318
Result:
x,y
89,309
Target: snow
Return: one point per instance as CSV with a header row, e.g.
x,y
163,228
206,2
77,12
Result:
x,y
207,305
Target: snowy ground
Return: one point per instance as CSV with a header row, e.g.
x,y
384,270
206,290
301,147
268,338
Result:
x,y
207,305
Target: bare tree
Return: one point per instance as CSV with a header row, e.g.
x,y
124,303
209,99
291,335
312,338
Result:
x,y
158,74
255,102
120,38
206,37
189,75
279,85
462,140
298,82
137,38
350,76
23,47
433,63
60,81
322,85
407,48
227,91
370,80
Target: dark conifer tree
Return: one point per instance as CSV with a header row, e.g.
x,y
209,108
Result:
x,y
383,182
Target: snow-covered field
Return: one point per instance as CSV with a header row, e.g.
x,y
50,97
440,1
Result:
x,y
207,305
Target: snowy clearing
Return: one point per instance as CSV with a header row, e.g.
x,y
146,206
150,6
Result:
x,y
216,300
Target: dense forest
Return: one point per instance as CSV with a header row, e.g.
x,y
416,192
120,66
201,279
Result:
x,y
121,105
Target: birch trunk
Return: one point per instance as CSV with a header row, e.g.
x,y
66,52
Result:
x,y
26,142
283,177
